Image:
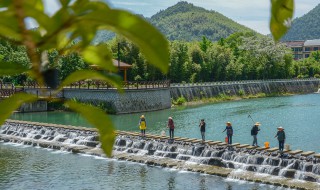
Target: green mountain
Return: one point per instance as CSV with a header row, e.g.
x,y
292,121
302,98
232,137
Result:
x,y
184,21
306,27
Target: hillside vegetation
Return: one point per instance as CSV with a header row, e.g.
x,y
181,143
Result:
x,y
187,22
306,27
184,21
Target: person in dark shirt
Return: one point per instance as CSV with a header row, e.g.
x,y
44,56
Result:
x,y
281,138
254,133
229,132
202,127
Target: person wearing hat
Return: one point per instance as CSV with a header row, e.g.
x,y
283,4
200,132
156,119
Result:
x,y
254,133
281,138
229,132
143,125
170,125
202,127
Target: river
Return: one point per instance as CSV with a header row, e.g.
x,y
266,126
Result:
x,y
299,115
25,167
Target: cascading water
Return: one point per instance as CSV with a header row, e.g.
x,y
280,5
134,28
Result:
x,y
240,159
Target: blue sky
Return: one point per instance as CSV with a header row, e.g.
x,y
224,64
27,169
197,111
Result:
x,y
251,13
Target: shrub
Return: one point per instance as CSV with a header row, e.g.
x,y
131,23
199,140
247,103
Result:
x,y
316,76
241,92
180,101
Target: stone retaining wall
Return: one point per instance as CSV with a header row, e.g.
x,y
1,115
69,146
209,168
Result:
x,y
131,101
209,90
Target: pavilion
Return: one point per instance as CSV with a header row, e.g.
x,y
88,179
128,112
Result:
x,y
122,67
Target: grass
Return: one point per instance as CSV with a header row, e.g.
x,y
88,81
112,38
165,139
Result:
x,y
224,98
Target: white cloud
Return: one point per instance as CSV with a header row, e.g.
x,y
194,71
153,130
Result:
x,y
51,6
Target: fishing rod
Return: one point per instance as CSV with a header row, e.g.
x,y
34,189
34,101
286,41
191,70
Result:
x,y
250,118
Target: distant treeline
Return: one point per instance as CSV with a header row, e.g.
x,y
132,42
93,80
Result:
x,y
241,56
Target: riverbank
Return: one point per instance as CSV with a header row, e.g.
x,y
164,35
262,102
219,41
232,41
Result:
x,y
225,98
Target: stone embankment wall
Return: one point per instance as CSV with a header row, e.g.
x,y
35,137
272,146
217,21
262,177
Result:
x,y
151,99
292,169
131,101
209,90
37,106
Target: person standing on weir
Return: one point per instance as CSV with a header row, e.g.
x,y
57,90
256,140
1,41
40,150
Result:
x,y
171,127
202,127
281,138
229,132
254,133
143,126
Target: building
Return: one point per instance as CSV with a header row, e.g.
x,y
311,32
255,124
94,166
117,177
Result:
x,y
303,49
310,46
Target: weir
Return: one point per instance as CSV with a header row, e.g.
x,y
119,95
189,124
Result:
x,y
292,169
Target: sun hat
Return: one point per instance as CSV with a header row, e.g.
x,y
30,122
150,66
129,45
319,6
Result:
x,y
228,123
170,118
257,123
280,128
142,116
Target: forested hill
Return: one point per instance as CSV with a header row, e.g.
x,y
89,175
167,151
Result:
x,y
306,27
184,21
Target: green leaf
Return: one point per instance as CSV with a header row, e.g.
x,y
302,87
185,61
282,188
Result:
x,y
98,119
88,74
151,42
8,105
43,20
11,68
5,3
9,26
36,4
281,17
99,55
65,3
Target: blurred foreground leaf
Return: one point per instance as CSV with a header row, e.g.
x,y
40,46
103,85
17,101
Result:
x,y
98,119
281,17
151,42
11,68
99,56
111,79
8,105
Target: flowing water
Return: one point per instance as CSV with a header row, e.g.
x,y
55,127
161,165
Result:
x,y
24,167
299,115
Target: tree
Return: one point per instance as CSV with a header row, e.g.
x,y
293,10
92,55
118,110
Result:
x,y
78,21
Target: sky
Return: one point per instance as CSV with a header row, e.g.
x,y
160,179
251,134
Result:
x,y
254,14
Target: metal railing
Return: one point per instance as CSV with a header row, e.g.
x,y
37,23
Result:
x,y
97,84
7,89
240,82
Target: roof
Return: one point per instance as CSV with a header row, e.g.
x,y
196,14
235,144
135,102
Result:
x,y
115,63
312,42
122,64
294,43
